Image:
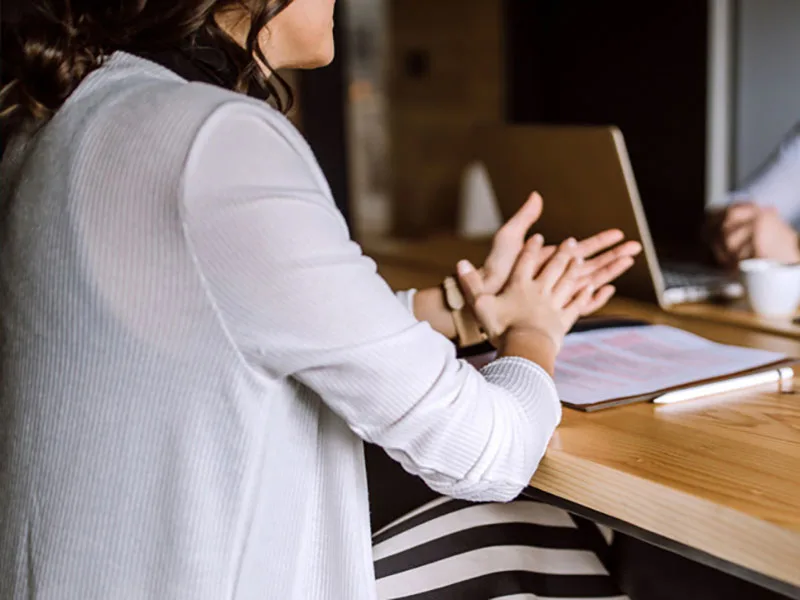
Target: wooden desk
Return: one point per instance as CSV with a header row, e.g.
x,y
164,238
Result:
x,y
738,314
717,480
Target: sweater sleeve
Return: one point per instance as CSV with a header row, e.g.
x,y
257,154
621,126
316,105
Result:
x,y
407,299
300,301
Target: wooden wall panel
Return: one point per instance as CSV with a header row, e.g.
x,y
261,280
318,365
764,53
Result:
x,y
446,75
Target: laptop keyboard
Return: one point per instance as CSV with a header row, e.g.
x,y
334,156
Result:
x,y
687,282
699,278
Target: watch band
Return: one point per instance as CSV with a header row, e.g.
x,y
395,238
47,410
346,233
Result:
x,y
468,329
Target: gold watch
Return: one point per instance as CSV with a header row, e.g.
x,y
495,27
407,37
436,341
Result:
x,y
468,329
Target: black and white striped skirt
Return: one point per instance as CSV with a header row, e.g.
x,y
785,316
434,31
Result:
x,y
454,550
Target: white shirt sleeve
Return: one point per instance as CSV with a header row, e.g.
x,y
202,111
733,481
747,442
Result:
x,y
777,182
407,299
301,301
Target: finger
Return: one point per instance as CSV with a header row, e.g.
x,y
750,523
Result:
x,y
529,260
599,242
599,300
556,266
743,252
726,258
578,304
470,281
526,216
738,218
546,254
500,263
741,212
508,242
600,277
565,287
489,312
737,237
498,266
543,253
628,249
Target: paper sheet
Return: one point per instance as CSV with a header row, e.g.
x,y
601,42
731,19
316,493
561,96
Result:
x,y
606,364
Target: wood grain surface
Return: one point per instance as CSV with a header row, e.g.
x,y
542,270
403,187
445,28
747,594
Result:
x,y
739,314
721,475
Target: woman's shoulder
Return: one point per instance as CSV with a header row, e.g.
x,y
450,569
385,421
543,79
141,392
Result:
x,y
134,109
135,97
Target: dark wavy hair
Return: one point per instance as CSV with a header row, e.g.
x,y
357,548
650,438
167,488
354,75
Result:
x,y
50,46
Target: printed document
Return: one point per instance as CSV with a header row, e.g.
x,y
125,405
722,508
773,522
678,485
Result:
x,y
606,364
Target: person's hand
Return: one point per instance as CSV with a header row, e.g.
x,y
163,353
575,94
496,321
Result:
x,y
599,260
598,266
731,232
774,238
746,230
543,297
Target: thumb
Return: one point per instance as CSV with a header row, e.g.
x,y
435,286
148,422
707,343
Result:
x,y
530,260
484,306
508,241
526,216
470,280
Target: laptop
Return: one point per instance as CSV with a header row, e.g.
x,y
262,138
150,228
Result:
x,y
586,179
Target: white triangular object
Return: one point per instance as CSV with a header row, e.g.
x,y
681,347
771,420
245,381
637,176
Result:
x,y
478,214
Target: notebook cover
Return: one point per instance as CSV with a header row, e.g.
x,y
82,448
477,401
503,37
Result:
x,y
788,362
585,324
608,322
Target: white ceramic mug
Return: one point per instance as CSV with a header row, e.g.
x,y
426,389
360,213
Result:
x,y
772,288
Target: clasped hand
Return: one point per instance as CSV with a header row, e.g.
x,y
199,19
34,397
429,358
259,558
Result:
x,y
529,287
746,230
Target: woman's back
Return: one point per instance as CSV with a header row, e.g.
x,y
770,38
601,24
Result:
x,y
127,412
180,296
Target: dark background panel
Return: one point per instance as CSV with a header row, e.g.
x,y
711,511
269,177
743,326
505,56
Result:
x,y
638,65
324,116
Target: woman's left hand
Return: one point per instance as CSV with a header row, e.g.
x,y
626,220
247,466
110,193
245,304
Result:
x,y
600,265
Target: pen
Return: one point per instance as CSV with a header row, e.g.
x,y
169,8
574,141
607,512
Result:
x,y
726,385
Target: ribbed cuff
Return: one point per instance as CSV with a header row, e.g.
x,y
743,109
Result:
x,y
530,384
407,299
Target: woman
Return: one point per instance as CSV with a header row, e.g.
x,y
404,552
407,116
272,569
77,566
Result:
x,y
194,350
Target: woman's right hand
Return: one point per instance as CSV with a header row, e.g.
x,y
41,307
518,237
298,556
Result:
x,y
604,260
540,303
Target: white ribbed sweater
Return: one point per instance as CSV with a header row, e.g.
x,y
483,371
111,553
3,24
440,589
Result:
x,y
193,348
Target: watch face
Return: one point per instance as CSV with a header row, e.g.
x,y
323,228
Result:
x,y
590,323
476,350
